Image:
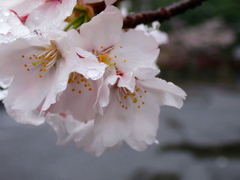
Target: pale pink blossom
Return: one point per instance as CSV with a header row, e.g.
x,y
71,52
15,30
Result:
x,y
41,67
130,116
129,95
133,114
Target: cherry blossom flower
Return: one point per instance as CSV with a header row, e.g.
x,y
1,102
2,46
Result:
x,y
129,117
96,86
122,97
129,97
40,67
133,114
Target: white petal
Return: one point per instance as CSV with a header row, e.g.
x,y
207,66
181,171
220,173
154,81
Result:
x,y
5,83
50,14
166,93
27,90
25,117
115,124
68,129
145,124
78,100
104,93
146,73
79,40
57,123
128,81
134,50
104,30
3,94
23,7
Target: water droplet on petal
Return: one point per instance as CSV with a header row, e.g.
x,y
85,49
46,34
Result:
x,y
4,28
5,12
63,83
93,74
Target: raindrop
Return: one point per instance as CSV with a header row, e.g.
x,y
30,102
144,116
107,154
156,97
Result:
x,y
63,83
4,28
93,74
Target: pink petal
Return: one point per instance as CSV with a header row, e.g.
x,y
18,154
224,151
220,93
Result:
x,y
103,30
134,50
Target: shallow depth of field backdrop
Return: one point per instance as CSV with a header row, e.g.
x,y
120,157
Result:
x,y
199,142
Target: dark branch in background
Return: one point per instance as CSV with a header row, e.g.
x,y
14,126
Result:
x,y
100,6
161,15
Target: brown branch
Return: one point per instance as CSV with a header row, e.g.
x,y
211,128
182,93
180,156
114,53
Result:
x,y
161,15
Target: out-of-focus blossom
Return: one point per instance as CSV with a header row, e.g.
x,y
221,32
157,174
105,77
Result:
x,y
161,37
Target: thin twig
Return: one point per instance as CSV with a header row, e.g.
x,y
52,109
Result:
x,y
161,15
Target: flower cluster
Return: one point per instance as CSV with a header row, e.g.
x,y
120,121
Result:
x,y
93,82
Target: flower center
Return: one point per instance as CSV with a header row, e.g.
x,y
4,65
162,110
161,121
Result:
x,y
43,59
126,97
108,58
80,83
